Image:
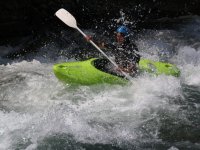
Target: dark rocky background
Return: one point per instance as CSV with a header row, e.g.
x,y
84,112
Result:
x,y
35,18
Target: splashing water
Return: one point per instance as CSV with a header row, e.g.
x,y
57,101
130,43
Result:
x,y
39,112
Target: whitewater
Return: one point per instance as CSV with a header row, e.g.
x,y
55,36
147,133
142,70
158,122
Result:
x,y
155,112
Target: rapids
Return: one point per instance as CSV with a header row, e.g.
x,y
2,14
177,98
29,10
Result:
x,y
39,112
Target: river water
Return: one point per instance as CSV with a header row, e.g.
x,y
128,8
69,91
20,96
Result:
x,y
37,112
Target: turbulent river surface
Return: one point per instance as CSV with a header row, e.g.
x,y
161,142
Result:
x,y
37,112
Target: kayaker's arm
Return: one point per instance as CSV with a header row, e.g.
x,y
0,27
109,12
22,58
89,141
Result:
x,y
102,44
88,38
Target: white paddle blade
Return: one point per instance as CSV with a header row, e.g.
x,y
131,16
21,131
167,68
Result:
x,y
66,17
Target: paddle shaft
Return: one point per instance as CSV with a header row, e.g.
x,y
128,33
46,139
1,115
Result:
x,y
125,74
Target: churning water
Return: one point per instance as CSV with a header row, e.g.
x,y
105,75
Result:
x,y
39,112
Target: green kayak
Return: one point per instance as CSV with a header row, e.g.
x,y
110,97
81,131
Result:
x,y
93,71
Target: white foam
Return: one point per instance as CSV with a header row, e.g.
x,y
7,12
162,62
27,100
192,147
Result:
x,y
191,75
101,113
188,55
117,113
188,60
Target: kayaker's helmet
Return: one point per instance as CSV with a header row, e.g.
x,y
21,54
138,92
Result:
x,y
124,30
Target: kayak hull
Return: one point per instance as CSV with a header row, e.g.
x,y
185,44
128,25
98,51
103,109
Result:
x,y
88,72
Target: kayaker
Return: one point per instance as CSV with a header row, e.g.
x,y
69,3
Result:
x,y
125,52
